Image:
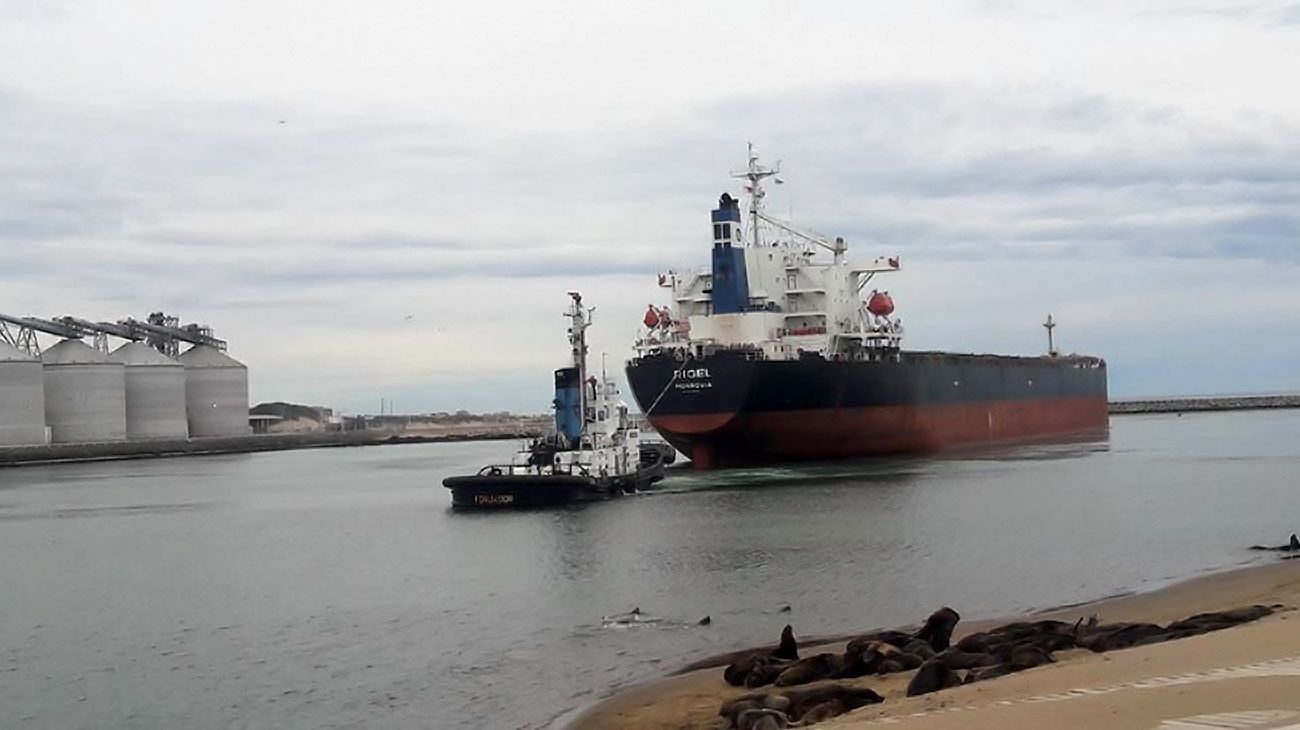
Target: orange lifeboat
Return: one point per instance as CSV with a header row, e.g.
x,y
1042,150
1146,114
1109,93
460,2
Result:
x,y
880,304
651,319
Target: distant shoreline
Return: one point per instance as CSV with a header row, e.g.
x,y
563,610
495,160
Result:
x,y
121,450
1192,404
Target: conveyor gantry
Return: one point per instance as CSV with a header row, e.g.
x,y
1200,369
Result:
x,y
160,332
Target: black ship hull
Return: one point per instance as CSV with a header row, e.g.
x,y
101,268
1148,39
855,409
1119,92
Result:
x,y
524,491
731,410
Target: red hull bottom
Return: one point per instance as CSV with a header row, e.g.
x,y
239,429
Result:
x,y
716,440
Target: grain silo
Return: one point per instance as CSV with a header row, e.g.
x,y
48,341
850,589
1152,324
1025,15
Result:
x,y
85,394
155,393
22,398
216,392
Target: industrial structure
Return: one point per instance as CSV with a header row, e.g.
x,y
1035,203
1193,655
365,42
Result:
x,y
155,393
145,389
85,394
22,398
216,392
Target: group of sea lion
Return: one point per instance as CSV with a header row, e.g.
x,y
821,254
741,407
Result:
x,y
939,664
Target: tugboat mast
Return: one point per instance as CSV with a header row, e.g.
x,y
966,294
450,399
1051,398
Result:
x,y
580,320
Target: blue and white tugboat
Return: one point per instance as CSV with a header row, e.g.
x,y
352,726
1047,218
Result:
x,y
596,452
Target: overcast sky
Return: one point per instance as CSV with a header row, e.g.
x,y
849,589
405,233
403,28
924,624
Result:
x,y
391,198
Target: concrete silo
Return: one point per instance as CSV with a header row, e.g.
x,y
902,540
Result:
x,y
216,392
22,398
85,394
155,393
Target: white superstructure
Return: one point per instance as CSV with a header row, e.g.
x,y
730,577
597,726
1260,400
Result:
x,y
773,289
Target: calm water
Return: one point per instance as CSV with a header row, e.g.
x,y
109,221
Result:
x,y
334,588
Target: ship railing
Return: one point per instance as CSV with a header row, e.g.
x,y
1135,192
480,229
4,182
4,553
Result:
x,y
580,468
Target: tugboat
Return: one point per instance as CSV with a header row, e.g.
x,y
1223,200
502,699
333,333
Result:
x,y
596,452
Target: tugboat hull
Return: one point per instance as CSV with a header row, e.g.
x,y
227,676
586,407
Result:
x,y
515,491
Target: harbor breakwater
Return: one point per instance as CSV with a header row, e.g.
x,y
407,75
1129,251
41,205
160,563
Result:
x,y
1203,403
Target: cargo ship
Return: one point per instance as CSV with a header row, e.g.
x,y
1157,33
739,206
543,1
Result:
x,y
778,352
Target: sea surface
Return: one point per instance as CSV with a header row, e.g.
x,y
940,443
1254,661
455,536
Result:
x,y
334,588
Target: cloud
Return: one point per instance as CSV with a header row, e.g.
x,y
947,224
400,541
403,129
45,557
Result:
x,y
1022,160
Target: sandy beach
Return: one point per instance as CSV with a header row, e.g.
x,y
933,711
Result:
x,y
1250,672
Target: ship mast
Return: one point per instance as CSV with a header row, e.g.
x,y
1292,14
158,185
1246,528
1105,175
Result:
x,y
1050,325
755,174
580,320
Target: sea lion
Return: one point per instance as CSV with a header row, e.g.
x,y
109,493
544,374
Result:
x,y
982,673
761,667
1028,657
761,718
1221,619
866,660
810,669
735,709
938,628
954,658
932,677
777,702
728,708
788,648
919,648
1109,637
852,697
889,666
909,660
765,672
899,662
823,711
977,643
734,673
1292,546
893,638
852,665
706,621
